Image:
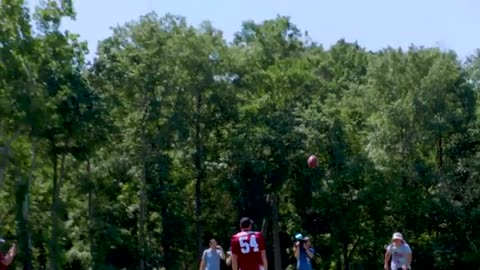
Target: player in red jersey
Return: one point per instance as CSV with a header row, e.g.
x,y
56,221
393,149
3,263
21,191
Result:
x,y
248,248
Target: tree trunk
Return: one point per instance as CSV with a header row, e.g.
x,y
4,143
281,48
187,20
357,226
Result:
x,y
440,153
264,226
198,213
4,156
339,262
23,207
276,233
53,240
199,175
21,191
57,182
167,233
346,259
352,250
143,201
27,250
91,215
142,240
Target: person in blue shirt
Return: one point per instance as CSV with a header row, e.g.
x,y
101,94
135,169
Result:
x,y
304,253
211,257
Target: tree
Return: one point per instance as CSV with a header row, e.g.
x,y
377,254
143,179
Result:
x,y
172,134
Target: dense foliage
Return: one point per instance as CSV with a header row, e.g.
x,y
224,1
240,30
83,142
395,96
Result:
x,y
135,160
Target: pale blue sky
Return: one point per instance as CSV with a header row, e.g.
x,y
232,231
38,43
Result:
x,y
375,24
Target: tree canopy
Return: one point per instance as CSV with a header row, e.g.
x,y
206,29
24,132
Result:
x,y
134,160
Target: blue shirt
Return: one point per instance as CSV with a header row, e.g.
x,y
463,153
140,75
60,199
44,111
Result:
x,y
212,259
303,262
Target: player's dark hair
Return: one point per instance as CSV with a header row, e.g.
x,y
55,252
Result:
x,y
245,223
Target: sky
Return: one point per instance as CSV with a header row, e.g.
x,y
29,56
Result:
x,y
374,24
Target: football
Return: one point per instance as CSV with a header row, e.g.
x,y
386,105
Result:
x,y
312,161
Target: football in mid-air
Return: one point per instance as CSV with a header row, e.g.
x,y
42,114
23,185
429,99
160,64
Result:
x,y
312,161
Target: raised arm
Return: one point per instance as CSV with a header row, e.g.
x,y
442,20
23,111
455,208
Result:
x,y
221,253
296,250
310,252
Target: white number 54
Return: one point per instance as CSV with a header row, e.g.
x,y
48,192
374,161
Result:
x,y
246,245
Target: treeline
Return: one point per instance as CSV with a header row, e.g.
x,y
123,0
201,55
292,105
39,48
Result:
x,y
171,134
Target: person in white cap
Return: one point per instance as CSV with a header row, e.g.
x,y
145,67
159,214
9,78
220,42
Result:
x,y
400,253
304,252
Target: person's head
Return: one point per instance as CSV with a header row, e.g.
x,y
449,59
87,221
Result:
x,y
212,243
307,241
246,224
397,239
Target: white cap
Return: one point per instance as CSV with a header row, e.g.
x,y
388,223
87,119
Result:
x,y
398,236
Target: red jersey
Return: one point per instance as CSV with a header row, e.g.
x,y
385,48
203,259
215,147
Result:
x,y
2,266
248,247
